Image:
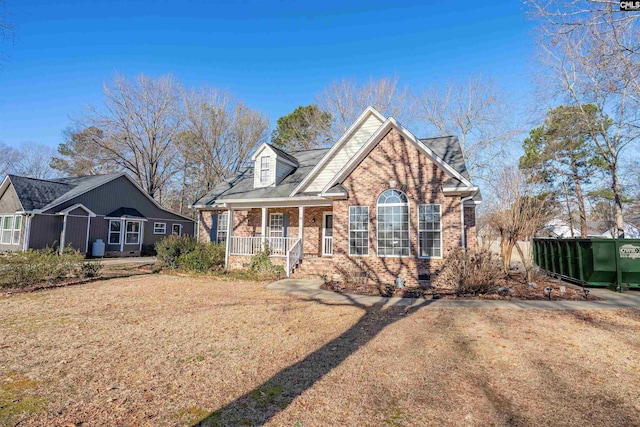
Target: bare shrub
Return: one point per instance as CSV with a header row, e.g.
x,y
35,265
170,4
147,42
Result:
x,y
470,273
354,274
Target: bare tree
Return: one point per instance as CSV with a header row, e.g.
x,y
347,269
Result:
x,y
476,111
590,56
33,161
517,212
346,99
220,134
140,121
9,157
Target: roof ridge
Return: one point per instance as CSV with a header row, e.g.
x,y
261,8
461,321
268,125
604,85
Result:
x,y
34,179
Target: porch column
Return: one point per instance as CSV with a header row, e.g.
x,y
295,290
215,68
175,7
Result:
x,y
301,226
264,227
229,235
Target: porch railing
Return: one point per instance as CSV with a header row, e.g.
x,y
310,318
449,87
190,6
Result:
x,y
294,256
245,245
328,245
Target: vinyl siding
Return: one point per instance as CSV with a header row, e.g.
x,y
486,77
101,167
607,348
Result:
x,y
256,172
45,231
342,156
76,232
9,204
282,170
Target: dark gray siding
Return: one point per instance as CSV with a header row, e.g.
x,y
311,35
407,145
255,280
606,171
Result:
x,y
45,231
9,204
76,232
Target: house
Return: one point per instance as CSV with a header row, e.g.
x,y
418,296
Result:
x,y
77,211
558,228
380,202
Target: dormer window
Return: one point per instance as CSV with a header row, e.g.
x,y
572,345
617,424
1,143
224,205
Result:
x,y
265,163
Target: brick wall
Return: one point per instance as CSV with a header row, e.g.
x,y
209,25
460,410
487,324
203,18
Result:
x,y
398,160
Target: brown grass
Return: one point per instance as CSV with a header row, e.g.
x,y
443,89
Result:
x,y
165,350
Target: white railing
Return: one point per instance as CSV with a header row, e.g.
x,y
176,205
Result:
x,y
328,245
241,245
294,256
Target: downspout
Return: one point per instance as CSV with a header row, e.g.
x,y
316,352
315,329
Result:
x,y
63,237
27,231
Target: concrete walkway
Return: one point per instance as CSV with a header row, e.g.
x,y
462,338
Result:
x,y
311,289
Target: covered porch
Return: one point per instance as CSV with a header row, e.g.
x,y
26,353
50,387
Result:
x,y
290,233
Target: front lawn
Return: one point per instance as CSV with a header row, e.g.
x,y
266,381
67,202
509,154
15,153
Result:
x,y
165,350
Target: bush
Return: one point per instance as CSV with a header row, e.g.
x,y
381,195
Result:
x,y
22,269
90,269
204,258
470,273
171,248
261,263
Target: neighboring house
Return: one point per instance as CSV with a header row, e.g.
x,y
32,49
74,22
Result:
x,y
558,228
380,202
77,211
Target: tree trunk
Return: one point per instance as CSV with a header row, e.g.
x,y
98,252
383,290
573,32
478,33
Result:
x,y
528,266
569,213
617,202
580,197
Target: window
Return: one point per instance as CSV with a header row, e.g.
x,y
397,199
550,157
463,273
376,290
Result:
x,y
429,231
176,229
7,230
114,232
223,226
265,163
133,233
393,224
359,230
17,227
159,228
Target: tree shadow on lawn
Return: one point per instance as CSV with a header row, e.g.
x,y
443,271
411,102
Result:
x,y
259,405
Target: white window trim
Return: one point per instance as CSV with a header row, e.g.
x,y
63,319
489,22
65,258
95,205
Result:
x,y
137,233
164,227
427,230
19,230
271,215
263,169
368,231
179,230
408,205
223,219
119,233
11,230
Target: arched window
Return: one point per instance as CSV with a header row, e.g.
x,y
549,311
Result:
x,y
393,224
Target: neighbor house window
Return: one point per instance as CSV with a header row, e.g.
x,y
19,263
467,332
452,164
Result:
x,y
176,230
7,229
223,226
430,231
133,233
265,163
393,224
17,227
159,228
358,230
114,232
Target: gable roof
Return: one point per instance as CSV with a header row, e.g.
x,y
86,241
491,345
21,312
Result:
x,y
240,186
286,157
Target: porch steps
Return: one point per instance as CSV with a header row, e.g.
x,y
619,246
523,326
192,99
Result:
x,y
313,268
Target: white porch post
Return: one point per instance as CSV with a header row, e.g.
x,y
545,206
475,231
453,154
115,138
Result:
x,y
301,226
63,235
264,227
229,235
122,235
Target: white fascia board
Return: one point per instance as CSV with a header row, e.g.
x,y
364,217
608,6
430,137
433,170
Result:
x,y
76,206
361,118
260,149
471,189
271,203
375,138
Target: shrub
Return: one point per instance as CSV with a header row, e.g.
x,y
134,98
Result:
x,y
354,274
261,263
171,248
90,269
470,273
22,269
204,258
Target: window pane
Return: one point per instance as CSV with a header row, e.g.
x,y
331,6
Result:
x,y
358,230
16,237
131,238
114,226
8,223
133,226
114,238
18,223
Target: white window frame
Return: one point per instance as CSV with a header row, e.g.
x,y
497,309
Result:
x,y
118,233
364,231
378,206
157,226
223,227
429,230
263,169
17,230
173,233
136,233
281,225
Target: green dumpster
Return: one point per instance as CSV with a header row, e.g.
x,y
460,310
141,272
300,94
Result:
x,y
594,262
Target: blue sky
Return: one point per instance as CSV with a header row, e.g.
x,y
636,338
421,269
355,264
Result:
x,y
275,55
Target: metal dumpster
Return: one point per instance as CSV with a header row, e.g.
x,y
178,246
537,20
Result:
x,y
594,262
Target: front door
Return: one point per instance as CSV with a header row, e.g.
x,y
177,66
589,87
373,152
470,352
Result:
x,y
327,234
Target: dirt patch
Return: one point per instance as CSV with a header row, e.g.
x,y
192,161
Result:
x,y
163,350
512,288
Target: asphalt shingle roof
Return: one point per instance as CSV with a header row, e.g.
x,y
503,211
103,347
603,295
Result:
x,y
37,194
